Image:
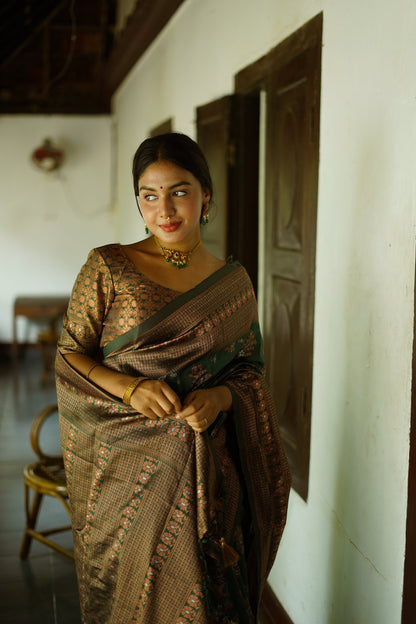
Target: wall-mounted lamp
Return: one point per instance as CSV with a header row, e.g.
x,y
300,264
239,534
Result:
x,y
48,157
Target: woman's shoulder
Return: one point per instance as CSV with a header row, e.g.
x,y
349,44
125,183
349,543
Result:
x,y
112,249
106,260
230,267
239,275
108,253
233,264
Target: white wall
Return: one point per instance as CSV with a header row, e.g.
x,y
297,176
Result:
x,y
49,221
341,560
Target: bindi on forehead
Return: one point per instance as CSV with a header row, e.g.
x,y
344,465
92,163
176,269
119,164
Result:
x,y
161,187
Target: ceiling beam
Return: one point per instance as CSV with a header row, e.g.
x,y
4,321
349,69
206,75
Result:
x,y
143,26
33,33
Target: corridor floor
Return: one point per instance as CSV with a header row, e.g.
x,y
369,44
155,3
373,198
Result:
x,y
42,589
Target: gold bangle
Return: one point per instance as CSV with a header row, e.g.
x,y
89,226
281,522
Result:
x,y
91,369
131,388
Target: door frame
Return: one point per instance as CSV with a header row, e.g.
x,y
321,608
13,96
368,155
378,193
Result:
x,y
256,78
409,579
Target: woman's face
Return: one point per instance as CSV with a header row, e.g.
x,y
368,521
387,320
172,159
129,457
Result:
x,y
171,201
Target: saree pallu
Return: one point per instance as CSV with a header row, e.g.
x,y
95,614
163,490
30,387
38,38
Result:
x,y
171,526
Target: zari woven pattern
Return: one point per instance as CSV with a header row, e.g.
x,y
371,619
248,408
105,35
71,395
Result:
x,y
156,508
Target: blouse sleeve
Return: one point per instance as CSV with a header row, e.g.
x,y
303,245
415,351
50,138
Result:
x,y
91,299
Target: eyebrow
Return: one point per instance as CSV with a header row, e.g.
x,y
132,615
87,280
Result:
x,y
149,188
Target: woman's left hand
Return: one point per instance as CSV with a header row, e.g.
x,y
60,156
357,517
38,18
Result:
x,y
200,408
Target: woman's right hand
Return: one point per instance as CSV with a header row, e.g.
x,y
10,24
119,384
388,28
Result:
x,y
152,397
155,399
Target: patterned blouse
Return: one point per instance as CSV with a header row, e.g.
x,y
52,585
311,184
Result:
x,y
110,296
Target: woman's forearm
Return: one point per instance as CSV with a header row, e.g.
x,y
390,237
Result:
x,y
111,381
153,398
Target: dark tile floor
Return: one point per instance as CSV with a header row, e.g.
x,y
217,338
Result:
x,y
42,589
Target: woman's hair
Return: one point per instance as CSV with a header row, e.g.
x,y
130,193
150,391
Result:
x,y
176,148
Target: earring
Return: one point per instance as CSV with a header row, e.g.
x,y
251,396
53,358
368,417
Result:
x,y
205,219
146,229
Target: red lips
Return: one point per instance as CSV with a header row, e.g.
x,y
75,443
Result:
x,y
170,227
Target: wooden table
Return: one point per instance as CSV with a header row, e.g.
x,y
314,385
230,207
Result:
x,y
49,308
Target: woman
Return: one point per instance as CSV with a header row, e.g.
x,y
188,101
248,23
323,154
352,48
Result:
x,y
176,476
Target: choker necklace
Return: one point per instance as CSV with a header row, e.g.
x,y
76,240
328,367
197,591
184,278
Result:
x,y
179,259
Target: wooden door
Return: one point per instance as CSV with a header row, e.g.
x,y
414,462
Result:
x,y
291,200
213,130
227,131
290,77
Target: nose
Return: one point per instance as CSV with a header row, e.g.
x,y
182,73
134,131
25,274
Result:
x,y
166,207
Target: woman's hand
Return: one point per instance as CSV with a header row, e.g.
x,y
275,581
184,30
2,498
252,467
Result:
x,y
155,399
152,397
201,407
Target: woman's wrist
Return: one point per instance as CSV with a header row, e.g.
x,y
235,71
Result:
x,y
111,381
224,398
131,388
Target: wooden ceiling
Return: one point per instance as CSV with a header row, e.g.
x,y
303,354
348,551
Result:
x,y
62,56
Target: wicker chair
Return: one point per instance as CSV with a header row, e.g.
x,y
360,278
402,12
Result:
x,y
43,477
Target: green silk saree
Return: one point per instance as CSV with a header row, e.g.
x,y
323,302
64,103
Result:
x,y
170,526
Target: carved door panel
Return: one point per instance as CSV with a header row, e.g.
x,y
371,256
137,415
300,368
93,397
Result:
x,y
291,190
